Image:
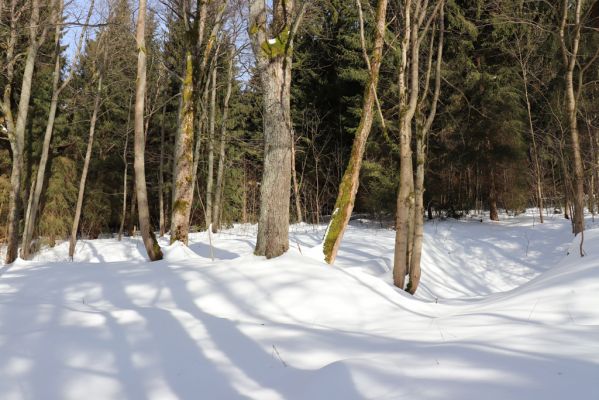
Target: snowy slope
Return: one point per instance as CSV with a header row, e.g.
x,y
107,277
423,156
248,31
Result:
x,y
515,317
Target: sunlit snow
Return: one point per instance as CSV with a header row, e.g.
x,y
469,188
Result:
x,y
506,310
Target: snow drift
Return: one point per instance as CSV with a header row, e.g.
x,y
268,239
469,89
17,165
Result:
x,y
504,313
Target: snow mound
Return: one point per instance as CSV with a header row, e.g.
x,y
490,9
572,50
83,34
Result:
x,y
178,252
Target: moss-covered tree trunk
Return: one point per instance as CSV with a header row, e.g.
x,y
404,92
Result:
x,y
272,45
149,239
348,187
183,159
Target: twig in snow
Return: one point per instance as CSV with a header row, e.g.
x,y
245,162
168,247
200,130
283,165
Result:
x,y
275,351
533,310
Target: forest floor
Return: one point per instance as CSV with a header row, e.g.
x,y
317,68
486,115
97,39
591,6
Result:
x,y
506,310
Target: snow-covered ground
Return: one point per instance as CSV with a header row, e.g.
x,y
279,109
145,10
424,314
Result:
x,y
503,312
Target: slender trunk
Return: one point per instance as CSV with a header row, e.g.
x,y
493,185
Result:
x,y
201,122
596,168
591,191
161,176
348,187
150,242
244,198
220,182
88,154
124,212
37,187
570,62
210,175
578,217
16,132
493,213
407,104
421,140
535,152
296,194
133,211
183,161
36,192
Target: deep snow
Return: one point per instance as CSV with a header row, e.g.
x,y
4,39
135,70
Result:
x,y
503,313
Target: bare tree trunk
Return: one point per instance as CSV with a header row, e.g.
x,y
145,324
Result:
x,y
210,175
407,104
124,212
220,181
569,58
421,140
298,206
493,213
348,187
535,152
183,162
244,198
88,154
16,131
161,176
36,192
133,211
273,225
274,60
150,242
596,168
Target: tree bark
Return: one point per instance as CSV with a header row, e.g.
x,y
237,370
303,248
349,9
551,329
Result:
x,y
296,193
150,242
211,128
273,224
570,62
88,154
124,212
407,105
161,176
220,181
421,140
273,49
16,131
348,187
183,161
493,212
36,193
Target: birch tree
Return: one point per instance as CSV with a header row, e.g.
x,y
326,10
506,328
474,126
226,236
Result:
x,y
570,36
16,126
152,247
417,18
57,89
